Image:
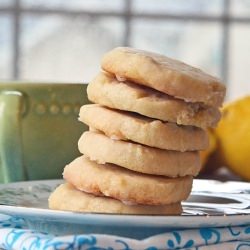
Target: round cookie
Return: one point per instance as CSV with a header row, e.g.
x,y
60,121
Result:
x,y
140,129
139,158
167,75
66,197
125,185
107,91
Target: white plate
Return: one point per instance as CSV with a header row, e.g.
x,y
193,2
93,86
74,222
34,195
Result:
x,y
211,204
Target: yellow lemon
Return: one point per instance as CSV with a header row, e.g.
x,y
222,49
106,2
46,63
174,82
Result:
x,y
233,135
205,154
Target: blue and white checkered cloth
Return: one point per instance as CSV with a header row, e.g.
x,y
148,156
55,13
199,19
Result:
x,y
14,234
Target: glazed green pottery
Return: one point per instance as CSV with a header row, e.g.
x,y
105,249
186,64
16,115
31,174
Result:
x,y
39,129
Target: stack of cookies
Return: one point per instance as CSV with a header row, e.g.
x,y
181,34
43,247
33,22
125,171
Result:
x,y
147,127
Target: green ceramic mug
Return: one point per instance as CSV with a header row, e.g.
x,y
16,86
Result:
x,y
39,129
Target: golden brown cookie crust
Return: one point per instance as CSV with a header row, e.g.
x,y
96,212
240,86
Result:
x,y
121,125
107,91
125,185
67,197
100,148
167,75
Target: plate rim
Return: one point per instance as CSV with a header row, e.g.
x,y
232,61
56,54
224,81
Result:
x,y
116,219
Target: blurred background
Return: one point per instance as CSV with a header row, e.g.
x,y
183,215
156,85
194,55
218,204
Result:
x,y
62,40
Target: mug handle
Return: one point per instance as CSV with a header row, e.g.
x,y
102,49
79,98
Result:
x,y
11,158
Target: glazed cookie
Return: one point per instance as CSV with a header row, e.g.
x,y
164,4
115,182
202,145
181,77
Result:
x,y
66,197
167,75
125,185
107,91
140,129
100,148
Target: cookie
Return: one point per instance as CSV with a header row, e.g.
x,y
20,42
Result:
x,y
143,130
125,185
167,75
137,157
66,197
107,91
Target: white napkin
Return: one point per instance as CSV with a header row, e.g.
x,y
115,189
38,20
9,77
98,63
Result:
x,y
14,235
